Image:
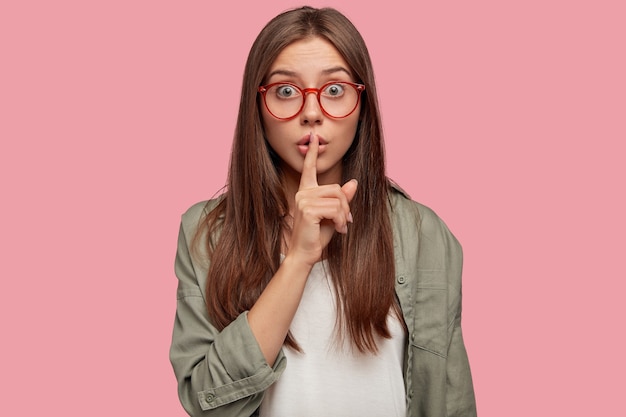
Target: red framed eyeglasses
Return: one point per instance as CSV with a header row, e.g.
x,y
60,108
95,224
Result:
x,y
337,99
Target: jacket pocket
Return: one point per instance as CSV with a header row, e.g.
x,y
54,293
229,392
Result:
x,y
431,314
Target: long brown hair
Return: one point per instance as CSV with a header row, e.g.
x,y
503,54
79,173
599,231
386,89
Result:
x,y
245,230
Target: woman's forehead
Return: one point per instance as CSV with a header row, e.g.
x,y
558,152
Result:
x,y
310,56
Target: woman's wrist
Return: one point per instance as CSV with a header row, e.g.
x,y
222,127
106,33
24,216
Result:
x,y
297,265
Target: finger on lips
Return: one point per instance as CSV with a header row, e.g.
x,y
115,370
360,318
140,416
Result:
x,y
308,178
308,181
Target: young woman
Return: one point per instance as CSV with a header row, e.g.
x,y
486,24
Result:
x,y
313,286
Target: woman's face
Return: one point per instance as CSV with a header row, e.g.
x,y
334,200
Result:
x,y
310,63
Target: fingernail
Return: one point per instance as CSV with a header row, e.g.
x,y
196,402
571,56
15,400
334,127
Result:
x,y
344,229
350,219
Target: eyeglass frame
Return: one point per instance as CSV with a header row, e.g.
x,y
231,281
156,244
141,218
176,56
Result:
x,y
318,92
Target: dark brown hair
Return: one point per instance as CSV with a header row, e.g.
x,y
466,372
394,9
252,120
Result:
x,y
245,230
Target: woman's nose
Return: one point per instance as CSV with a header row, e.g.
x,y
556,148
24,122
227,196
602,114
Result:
x,y
312,112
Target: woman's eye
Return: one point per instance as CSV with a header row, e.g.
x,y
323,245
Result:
x,y
286,91
334,90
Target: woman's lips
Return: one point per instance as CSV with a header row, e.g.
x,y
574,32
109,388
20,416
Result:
x,y
303,145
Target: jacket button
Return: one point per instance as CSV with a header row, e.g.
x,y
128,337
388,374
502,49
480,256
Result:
x,y
209,398
401,279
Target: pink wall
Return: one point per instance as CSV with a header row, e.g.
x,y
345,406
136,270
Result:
x,y
507,118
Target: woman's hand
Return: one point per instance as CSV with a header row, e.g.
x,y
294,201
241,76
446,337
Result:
x,y
319,211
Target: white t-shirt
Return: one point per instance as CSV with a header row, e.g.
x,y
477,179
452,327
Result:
x,y
328,379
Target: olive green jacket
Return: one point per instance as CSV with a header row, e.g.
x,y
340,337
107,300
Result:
x,y
225,374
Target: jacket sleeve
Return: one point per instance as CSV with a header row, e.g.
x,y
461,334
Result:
x,y
219,373
460,400
440,262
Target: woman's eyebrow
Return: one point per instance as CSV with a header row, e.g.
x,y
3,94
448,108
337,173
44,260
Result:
x,y
336,69
286,73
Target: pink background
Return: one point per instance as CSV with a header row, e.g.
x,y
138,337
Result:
x,y
506,117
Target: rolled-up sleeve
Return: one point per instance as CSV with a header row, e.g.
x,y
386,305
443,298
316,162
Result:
x,y
219,372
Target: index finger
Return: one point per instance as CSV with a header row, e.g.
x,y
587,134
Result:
x,y
308,179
